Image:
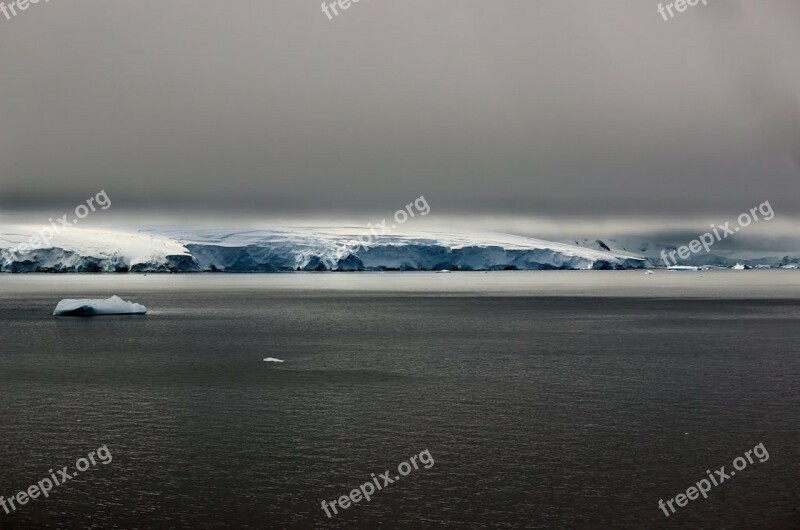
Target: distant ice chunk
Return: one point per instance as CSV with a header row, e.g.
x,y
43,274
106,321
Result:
x,y
93,307
738,267
272,360
683,268
649,272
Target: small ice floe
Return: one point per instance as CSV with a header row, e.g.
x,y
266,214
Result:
x,y
441,271
95,307
738,267
683,268
272,360
648,272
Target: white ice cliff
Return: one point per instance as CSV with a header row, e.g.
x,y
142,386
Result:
x,y
292,249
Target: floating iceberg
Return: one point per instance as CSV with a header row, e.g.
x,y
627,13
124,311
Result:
x,y
272,360
93,307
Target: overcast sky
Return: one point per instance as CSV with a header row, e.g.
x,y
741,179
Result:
x,y
505,107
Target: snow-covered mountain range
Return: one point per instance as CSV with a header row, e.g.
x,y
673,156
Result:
x,y
291,249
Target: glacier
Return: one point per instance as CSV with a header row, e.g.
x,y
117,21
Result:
x,y
651,250
285,249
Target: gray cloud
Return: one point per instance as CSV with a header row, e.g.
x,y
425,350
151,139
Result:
x,y
560,106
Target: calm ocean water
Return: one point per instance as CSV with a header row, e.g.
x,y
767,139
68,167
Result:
x,y
547,399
